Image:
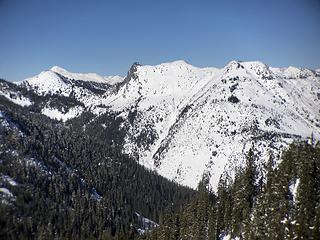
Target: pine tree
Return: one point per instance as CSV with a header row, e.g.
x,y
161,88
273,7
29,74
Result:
x,y
224,206
308,194
244,192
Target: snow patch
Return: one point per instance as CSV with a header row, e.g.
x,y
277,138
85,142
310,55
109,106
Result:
x,y
6,196
145,224
6,192
228,237
294,189
58,115
95,196
9,180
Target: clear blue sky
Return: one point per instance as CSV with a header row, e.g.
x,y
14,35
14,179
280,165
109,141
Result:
x,y
108,36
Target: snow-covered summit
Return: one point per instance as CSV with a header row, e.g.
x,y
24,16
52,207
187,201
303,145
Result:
x,y
58,77
58,80
58,69
46,81
174,81
179,62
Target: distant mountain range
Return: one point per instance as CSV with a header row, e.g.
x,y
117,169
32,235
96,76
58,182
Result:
x,y
183,121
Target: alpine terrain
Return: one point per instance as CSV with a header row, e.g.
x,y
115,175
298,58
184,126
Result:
x,y
183,121
114,157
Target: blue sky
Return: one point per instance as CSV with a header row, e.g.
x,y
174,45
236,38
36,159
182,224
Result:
x,y
108,36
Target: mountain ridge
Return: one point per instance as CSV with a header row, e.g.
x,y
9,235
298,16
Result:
x,y
183,121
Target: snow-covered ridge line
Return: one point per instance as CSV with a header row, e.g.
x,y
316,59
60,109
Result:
x,y
289,72
91,77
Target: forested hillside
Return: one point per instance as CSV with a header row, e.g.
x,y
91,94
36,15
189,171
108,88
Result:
x,y
283,204
58,183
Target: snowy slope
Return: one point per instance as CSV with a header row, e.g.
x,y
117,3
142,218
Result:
x,y
152,101
217,131
183,121
11,94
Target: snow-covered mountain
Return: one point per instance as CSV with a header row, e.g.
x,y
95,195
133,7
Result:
x,y
60,81
183,121
87,88
197,120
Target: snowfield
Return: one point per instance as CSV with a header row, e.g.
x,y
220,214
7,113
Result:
x,y
56,114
